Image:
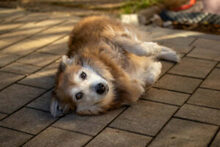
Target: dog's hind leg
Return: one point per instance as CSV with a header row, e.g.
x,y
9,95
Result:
x,y
147,49
161,52
138,47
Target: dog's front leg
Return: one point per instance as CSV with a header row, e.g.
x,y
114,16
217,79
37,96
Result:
x,y
153,73
138,47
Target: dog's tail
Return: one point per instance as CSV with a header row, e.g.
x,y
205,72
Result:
x,y
168,54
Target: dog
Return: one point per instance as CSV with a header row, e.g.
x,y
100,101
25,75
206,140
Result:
x,y
108,65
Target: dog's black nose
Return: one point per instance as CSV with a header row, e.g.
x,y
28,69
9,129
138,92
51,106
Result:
x,y
100,88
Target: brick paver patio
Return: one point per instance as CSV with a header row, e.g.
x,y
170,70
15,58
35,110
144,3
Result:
x,y
181,109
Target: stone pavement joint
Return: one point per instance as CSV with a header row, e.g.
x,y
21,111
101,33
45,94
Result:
x,y
181,109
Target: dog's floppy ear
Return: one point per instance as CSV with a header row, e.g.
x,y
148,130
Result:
x,y
55,107
68,61
65,62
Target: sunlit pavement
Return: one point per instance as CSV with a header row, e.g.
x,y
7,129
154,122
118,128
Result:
x,y
181,109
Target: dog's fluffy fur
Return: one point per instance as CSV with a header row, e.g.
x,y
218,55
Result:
x,y
102,50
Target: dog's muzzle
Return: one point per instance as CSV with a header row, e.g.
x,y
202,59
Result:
x,y
101,88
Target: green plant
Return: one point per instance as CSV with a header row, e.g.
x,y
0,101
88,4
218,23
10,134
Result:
x,y
133,6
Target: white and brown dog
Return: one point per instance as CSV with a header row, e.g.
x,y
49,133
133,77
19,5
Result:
x,y
108,65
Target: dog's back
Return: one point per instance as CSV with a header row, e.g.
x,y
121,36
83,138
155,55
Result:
x,y
91,30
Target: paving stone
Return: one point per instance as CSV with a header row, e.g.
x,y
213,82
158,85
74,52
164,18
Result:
x,y
144,117
179,44
211,37
205,53
112,137
25,31
49,22
200,114
42,103
12,19
183,133
193,67
59,47
66,16
38,59
178,83
6,59
40,40
25,17
206,43
20,68
213,80
6,13
56,137
16,96
216,141
206,97
5,28
166,66
28,120
8,78
59,30
160,34
10,138
2,115
13,37
208,48
27,46
86,124
166,96
32,17
44,78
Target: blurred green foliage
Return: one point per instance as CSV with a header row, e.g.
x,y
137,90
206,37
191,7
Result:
x,y
133,6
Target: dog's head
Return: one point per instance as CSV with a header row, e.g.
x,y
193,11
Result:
x,y
82,87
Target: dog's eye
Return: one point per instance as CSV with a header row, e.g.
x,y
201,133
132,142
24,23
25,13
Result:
x,y
83,75
79,95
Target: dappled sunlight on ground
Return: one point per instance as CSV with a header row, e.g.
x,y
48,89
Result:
x,y
181,109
